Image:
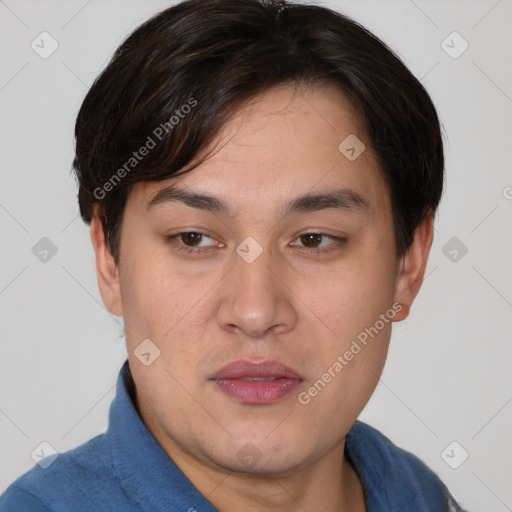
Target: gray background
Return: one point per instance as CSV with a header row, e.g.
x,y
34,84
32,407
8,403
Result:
x,y
448,373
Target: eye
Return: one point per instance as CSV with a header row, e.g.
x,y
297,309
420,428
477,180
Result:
x,y
190,241
314,242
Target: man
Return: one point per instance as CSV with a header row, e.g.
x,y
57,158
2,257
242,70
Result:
x,y
260,178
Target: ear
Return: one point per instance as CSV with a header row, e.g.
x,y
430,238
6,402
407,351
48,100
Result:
x,y
106,269
411,268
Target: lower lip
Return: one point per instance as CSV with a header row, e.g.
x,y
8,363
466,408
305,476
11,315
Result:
x,y
257,392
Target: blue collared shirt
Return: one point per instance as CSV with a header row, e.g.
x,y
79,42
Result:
x,y
126,470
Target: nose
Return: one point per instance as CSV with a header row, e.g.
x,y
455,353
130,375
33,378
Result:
x,y
257,299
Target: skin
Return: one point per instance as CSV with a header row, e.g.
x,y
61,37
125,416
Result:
x,y
204,310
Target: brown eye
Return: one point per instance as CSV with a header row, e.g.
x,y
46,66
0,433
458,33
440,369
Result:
x,y
193,242
319,242
311,239
191,238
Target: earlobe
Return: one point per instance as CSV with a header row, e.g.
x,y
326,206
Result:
x,y
411,268
106,269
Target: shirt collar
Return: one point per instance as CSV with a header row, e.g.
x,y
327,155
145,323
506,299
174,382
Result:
x,y
392,478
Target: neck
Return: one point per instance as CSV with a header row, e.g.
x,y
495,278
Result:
x,y
328,484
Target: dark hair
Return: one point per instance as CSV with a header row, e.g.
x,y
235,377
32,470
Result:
x,y
177,79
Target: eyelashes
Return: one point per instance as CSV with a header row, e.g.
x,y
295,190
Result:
x,y
174,241
180,241
339,241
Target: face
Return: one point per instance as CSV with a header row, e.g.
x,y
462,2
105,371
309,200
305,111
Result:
x,y
267,280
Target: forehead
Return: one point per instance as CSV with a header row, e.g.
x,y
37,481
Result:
x,y
284,142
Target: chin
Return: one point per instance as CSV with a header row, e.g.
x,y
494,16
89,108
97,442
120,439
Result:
x,y
260,464
258,455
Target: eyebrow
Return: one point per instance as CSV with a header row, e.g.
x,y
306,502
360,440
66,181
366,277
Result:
x,y
341,199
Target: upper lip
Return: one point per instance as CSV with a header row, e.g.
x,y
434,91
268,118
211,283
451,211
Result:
x,y
243,369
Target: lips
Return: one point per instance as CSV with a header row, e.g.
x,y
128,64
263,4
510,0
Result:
x,y
256,383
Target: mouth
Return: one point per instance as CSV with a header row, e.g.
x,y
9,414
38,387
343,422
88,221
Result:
x,y
256,383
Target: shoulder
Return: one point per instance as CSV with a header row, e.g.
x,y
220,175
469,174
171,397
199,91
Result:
x,y
71,482
17,499
392,475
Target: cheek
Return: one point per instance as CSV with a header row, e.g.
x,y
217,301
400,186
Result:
x,y
146,289
355,294
162,302
347,363
355,301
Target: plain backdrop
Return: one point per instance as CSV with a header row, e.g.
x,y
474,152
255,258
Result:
x,y
447,378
